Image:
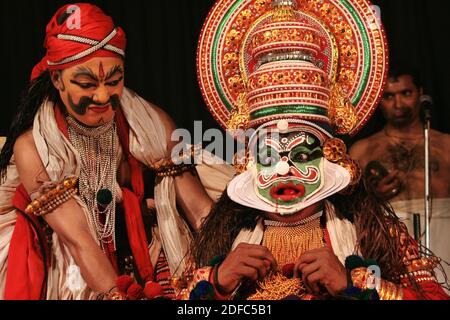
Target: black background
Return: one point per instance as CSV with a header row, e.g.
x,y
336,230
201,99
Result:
x,y
161,52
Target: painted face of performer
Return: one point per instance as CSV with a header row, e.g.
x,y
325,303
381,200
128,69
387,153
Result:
x,y
289,168
91,91
400,103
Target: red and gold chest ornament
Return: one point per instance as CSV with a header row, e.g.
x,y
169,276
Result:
x,y
312,66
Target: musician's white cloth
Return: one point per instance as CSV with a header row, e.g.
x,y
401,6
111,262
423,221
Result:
x,y
439,225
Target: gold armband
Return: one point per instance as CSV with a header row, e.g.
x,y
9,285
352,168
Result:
x,y
421,270
386,290
53,197
173,170
187,163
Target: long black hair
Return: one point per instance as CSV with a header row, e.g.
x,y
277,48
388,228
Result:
x,y
34,95
377,227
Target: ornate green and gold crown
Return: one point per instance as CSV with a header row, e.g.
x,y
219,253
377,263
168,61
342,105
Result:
x,y
320,61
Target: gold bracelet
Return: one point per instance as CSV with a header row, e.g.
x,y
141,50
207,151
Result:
x,y
386,291
359,277
115,296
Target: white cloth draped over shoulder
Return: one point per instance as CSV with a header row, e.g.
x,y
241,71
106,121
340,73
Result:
x,y
148,144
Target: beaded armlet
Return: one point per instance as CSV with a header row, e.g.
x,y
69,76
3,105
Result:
x,y
186,163
168,169
52,196
419,268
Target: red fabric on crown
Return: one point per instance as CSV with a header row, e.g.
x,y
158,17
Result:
x,y
94,24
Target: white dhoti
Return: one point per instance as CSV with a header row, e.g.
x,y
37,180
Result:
x,y
439,226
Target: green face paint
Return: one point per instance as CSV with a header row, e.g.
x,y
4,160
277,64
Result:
x,y
289,168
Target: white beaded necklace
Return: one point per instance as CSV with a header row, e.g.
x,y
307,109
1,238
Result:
x,y
97,149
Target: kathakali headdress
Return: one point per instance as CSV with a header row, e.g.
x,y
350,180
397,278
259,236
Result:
x,y
299,73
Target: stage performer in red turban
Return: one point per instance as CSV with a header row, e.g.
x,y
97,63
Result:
x,y
73,170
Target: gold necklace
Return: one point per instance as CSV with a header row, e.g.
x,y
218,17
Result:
x,y
288,243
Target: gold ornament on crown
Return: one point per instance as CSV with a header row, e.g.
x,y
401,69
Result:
x,y
240,115
239,120
241,162
353,168
335,150
284,11
341,111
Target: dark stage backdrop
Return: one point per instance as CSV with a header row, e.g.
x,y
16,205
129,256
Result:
x,y
162,40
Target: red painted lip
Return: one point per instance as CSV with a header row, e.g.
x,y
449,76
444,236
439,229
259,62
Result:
x,y
100,109
287,191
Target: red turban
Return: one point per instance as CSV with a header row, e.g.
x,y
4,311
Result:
x,y
77,33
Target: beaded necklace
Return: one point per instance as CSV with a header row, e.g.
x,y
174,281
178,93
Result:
x,y
98,154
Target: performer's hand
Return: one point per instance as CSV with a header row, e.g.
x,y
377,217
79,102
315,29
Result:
x,y
247,261
321,267
389,186
150,203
